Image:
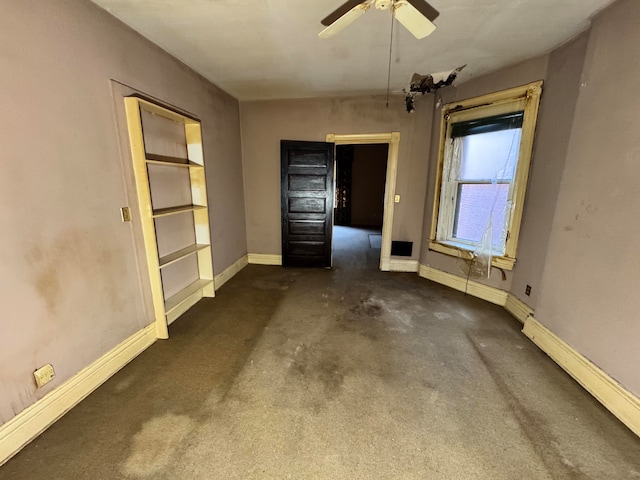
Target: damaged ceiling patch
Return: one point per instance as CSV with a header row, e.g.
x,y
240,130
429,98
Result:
x,y
428,84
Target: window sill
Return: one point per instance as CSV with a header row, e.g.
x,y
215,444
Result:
x,y
505,263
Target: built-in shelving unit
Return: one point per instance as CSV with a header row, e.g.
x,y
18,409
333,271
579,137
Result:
x,y
166,148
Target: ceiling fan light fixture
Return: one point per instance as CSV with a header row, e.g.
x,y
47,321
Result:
x,y
413,19
345,20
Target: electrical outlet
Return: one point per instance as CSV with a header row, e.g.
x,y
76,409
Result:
x,y
527,290
44,375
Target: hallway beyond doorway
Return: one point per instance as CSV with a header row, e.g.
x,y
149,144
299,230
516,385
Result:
x,y
353,250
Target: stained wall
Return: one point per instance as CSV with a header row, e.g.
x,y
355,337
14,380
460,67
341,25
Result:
x,y
591,278
70,284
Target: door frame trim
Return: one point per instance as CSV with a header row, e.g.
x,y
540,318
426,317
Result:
x,y
393,139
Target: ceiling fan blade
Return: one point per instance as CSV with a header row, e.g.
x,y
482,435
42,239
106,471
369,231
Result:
x,y
416,16
341,11
425,9
345,18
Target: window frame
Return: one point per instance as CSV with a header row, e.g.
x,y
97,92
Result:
x,y
525,98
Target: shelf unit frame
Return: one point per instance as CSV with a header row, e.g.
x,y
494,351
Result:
x,y
167,310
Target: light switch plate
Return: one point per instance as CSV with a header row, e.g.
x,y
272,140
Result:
x,y
397,199
125,213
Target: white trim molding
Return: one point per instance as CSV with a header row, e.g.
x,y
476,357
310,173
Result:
x,y
622,403
264,259
473,288
35,419
518,308
403,265
231,271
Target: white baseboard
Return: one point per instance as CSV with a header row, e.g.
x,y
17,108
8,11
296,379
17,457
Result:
x,y
35,419
403,265
622,403
230,271
476,289
263,259
518,308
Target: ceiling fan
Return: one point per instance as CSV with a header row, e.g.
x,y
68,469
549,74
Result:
x,y
417,16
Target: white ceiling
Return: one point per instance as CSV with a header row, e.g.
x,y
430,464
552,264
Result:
x,y
266,49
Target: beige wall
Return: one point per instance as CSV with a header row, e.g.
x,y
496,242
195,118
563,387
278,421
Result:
x,y
69,283
552,138
265,123
589,290
368,175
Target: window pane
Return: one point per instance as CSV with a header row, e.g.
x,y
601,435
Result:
x,y
489,156
474,207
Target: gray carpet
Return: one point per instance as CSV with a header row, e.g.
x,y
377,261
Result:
x,y
375,240
347,373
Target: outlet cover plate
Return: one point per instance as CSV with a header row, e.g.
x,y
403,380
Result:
x,y
44,375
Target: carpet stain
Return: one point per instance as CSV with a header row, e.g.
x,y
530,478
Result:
x,y
320,370
369,307
331,373
155,445
299,361
124,384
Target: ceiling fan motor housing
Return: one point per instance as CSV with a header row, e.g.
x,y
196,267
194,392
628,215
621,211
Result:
x,y
383,4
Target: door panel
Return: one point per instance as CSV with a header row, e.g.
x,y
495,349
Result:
x,y
307,203
306,228
306,248
306,182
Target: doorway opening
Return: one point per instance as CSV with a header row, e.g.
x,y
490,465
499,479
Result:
x,y
365,181
360,174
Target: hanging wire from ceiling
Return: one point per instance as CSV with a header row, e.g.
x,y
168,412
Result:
x,y
390,48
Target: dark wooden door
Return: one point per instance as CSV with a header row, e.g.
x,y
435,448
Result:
x,y
307,203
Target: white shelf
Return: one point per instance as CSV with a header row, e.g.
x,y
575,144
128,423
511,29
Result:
x,y
155,159
183,295
163,212
180,254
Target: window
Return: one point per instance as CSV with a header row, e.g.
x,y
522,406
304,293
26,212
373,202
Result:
x,y
483,166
